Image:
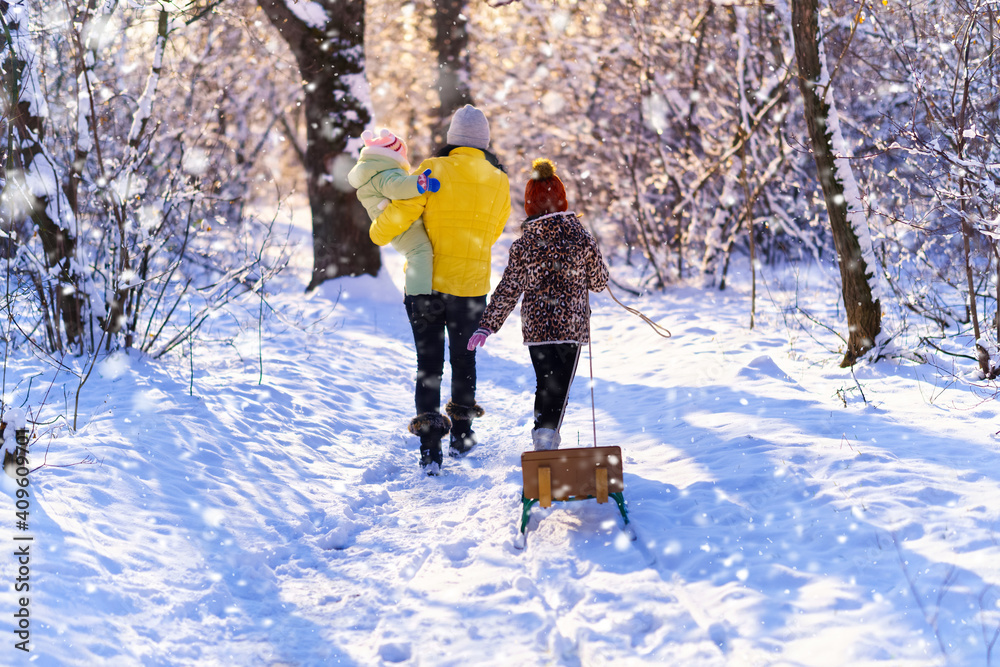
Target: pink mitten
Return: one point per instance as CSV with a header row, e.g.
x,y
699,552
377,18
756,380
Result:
x,y
478,339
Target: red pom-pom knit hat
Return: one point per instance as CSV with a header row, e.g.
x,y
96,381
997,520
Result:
x,y
544,193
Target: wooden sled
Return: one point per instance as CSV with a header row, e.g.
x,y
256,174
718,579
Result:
x,y
572,474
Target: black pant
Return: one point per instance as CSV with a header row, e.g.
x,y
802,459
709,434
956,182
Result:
x,y
430,315
555,366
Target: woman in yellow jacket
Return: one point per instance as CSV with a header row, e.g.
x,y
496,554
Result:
x,y
463,221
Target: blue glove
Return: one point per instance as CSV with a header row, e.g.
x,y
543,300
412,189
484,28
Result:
x,y
427,184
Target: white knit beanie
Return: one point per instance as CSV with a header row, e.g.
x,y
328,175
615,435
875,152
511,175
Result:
x,y
469,127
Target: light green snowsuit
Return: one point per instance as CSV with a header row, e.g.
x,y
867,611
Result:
x,y
379,178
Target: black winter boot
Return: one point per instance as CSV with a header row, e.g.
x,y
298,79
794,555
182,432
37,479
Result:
x,y
430,427
431,457
463,438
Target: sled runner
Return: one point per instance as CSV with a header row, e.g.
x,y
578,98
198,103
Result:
x,y
571,474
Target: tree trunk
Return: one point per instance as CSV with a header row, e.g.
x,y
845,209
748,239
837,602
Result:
x,y
451,41
864,313
331,64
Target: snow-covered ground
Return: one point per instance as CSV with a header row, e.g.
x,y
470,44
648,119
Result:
x,y
268,509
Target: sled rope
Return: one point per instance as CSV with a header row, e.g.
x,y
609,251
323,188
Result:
x,y
659,330
593,405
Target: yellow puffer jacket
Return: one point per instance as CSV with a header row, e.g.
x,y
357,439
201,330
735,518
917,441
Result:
x,y
463,220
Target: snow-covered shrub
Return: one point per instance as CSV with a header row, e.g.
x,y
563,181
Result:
x,y
135,137
925,119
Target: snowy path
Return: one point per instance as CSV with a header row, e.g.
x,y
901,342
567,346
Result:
x,y
287,522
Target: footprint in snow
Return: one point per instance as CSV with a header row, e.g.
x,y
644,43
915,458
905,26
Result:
x,y
395,652
763,367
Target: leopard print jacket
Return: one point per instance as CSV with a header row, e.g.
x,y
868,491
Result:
x,y
554,264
